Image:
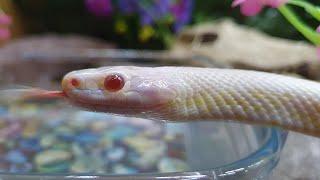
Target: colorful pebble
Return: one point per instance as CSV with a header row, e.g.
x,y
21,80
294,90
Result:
x,y
172,165
16,157
51,157
116,154
121,169
37,138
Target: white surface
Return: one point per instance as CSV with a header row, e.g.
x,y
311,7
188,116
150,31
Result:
x,y
300,158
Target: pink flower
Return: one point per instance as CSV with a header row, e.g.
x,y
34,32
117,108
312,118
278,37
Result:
x,y
5,19
253,7
5,22
4,33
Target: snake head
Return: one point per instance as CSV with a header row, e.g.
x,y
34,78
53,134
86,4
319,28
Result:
x,y
118,89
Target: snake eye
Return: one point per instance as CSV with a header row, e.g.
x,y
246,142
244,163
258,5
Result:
x,y
113,82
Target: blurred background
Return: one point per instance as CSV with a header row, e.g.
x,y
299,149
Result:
x,y
42,40
136,24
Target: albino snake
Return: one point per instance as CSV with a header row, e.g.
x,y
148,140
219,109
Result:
x,y
194,94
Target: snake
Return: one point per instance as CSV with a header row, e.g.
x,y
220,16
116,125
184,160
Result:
x,y
183,94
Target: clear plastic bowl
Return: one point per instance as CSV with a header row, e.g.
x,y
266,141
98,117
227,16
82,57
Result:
x,y
36,132
207,150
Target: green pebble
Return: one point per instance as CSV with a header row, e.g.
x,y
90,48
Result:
x,y
10,144
121,169
106,142
54,168
142,144
61,146
150,157
48,140
80,166
51,157
77,150
88,165
172,165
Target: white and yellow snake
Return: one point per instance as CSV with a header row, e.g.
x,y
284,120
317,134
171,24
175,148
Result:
x,y
194,94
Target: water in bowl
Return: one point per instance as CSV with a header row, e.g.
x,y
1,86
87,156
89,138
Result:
x,y
56,139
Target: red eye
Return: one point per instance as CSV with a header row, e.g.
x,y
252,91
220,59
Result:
x,y
113,82
75,82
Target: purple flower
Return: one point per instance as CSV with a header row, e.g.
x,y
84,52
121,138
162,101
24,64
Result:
x,y
153,11
150,12
182,11
99,7
128,6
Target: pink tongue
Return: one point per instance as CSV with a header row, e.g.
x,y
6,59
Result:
x,y
44,94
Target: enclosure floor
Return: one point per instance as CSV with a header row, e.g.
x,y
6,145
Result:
x,y
299,159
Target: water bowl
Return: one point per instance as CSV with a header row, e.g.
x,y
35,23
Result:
x,y
53,140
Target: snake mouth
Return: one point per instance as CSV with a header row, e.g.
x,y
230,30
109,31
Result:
x,y
129,111
96,98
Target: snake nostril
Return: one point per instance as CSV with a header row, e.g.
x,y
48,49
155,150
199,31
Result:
x,y
75,82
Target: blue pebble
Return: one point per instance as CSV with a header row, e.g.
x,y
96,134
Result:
x,y
66,137
15,157
53,123
20,168
3,110
87,138
120,132
31,144
116,154
131,170
133,157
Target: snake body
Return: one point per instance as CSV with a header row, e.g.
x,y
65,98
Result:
x,y
201,94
